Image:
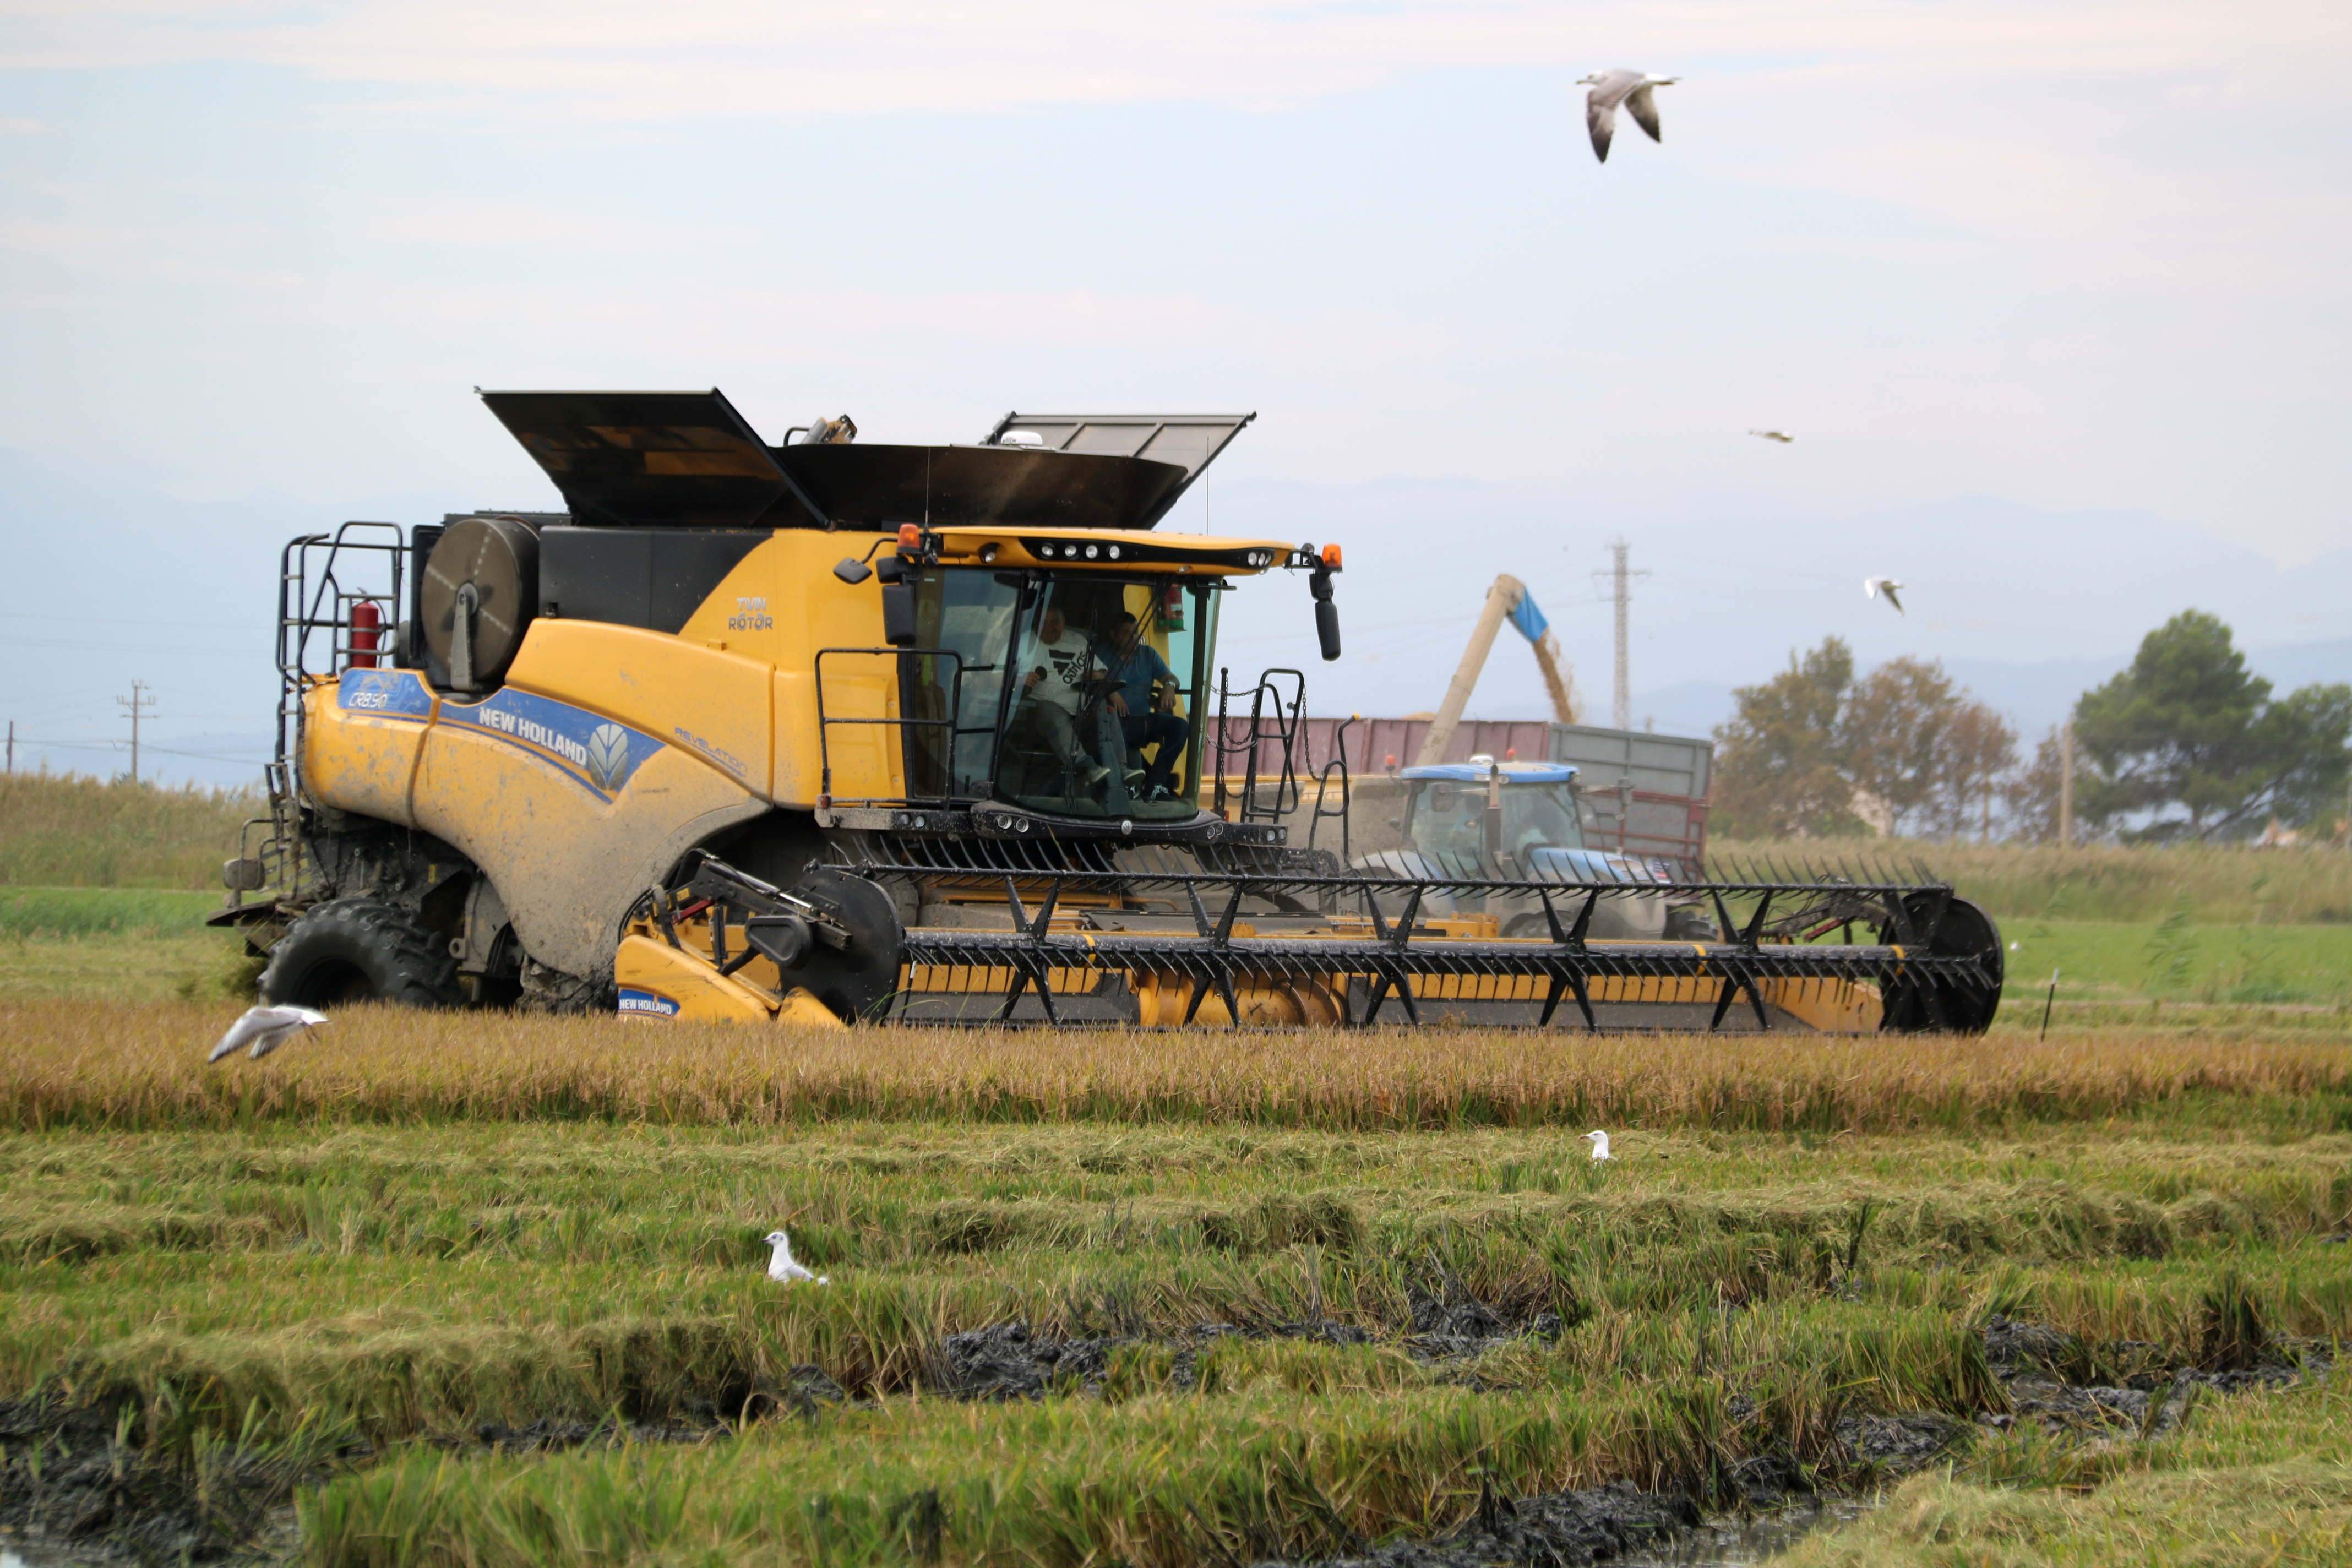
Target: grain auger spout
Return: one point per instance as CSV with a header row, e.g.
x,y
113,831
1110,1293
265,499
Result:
x,y
842,733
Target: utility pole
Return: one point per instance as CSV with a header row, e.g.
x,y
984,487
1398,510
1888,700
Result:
x,y
140,705
1620,591
2066,785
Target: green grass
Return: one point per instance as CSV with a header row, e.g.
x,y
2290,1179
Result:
x,y
2219,885
407,1284
2180,961
28,913
130,944
2260,1478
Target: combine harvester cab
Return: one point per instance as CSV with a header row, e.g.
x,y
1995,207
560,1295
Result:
x,y
832,731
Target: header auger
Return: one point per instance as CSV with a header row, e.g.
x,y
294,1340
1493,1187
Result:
x,y
833,732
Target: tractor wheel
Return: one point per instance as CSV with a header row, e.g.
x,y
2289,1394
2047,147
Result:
x,y
360,950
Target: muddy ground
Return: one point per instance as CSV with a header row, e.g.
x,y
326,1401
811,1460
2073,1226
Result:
x,y
73,1478
1006,1361
70,1477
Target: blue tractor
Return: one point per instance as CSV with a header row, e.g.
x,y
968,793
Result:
x,y
1485,820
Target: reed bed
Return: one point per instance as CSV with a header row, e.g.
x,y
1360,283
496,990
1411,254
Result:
x,y
105,1065
72,830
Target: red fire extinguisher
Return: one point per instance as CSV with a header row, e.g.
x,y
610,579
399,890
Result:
x,y
367,634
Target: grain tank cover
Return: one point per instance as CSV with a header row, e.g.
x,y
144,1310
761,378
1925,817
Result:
x,y
683,459
868,486
687,459
1191,441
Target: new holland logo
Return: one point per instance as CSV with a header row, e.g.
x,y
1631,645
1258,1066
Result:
x,y
637,1002
608,756
598,753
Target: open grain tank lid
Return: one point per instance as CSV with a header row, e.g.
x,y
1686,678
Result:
x,y
687,459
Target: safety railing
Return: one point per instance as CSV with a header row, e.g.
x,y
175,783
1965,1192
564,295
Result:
x,y
948,724
339,598
1323,807
1273,721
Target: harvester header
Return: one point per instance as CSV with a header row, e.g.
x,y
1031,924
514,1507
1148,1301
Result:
x,y
840,731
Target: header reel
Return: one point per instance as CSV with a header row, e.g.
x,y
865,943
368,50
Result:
x,y
1084,934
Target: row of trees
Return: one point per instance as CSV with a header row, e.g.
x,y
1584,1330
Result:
x,y
2185,743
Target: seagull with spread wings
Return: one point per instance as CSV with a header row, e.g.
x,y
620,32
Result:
x,y
1612,88
1886,587
266,1029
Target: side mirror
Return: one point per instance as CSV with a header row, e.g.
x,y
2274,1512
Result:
x,y
1326,614
1327,629
851,570
898,615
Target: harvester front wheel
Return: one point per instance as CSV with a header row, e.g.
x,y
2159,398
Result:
x,y
360,950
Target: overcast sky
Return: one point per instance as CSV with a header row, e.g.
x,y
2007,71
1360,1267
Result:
x,y
2073,256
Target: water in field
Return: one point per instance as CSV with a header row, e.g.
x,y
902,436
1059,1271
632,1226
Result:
x,y
1732,1541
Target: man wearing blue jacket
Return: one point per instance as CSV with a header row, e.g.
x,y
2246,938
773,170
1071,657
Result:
x,y
1143,695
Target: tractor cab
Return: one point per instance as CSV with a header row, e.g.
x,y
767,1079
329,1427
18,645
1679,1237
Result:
x,y
1516,822
1482,807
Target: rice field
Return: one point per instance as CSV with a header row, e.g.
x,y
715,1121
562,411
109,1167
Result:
x,y
113,1067
484,1290
488,1289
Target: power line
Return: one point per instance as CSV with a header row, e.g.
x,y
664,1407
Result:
x,y
34,742
130,621
181,650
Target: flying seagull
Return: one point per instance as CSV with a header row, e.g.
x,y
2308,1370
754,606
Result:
x,y
266,1028
1871,588
1611,89
782,1269
1600,1142
1780,436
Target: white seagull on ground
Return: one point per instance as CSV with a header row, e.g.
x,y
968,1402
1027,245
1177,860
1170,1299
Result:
x,y
267,1029
1871,588
1611,89
1600,1142
782,1269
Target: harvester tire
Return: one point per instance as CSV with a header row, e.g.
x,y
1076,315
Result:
x,y
360,950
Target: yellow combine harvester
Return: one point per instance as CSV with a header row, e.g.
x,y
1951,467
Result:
x,y
832,731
